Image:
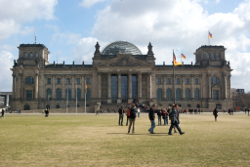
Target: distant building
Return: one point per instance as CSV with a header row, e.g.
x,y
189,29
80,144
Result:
x,y
5,99
119,74
235,93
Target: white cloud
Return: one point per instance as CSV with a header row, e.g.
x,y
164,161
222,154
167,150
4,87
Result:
x,y
180,25
6,61
16,12
90,3
217,1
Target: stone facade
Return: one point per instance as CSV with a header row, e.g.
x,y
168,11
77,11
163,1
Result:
x,y
37,83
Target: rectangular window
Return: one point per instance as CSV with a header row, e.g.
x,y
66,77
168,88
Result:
x,y
88,81
159,80
68,80
178,81
169,81
215,94
28,94
58,80
196,81
78,81
49,81
218,106
187,80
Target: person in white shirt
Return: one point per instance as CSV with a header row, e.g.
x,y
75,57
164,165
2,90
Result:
x,y
138,110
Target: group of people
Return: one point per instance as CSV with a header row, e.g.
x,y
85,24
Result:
x,y
133,111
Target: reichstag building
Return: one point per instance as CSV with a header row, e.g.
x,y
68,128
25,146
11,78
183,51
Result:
x,y
118,74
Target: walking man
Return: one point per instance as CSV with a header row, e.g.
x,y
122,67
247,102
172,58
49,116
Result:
x,y
215,113
3,113
138,110
132,118
174,120
121,112
159,116
151,115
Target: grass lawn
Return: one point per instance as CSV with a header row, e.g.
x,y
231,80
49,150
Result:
x,y
89,140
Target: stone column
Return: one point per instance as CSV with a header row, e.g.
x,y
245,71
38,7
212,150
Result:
x,y
63,88
73,90
139,86
109,89
209,86
150,86
20,85
130,87
7,99
164,87
230,94
14,87
53,87
183,88
83,87
36,86
119,99
225,86
192,87
99,86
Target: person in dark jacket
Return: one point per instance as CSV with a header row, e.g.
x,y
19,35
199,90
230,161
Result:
x,y
46,112
128,115
151,115
215,113
175,120
121,112
3,112
159,113
132,118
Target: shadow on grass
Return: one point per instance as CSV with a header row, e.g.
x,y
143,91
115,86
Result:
x,y
147,134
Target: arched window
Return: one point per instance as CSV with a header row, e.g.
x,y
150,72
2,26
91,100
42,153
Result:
x,y
78,94
159,94
49,94
169,94
29,80
36,54
218,56
187,94
88,95
215,80
213,56
196,94
31,54
25,54
208,56
178,94
68,94
58,94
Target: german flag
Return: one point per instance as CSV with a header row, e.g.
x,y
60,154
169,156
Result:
x,y
176,63
210,35
184,57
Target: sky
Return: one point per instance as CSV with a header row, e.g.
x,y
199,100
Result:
x,y
70,30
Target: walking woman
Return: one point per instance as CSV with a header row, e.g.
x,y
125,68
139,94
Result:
x,y
215,113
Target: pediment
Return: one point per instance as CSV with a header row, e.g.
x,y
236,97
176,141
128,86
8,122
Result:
x,y
124,61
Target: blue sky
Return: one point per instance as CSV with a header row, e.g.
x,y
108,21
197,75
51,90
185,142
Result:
x,y
70,29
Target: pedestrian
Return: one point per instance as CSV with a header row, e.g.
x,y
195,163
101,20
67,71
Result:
x,y
128,115
46,112
175,120
166,116
159,116
3,113
139,112
163,116
215,113
121,112
151,115
132,118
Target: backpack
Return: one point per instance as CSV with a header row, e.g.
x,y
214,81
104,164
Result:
x,y
132,113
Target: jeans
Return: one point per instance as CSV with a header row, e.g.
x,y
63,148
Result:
x,y
159,120
138,114
120,119
151,129
127,121
166,121
176,125
131,121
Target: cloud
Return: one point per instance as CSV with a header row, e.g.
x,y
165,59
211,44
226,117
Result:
x,y
180,25
16,12
6,62
217,1
90,3
68,38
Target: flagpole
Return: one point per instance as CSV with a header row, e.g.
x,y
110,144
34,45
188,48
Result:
x,y
174,80
85,95
208,38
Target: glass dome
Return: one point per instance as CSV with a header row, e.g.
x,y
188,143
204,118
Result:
x,y
121,47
